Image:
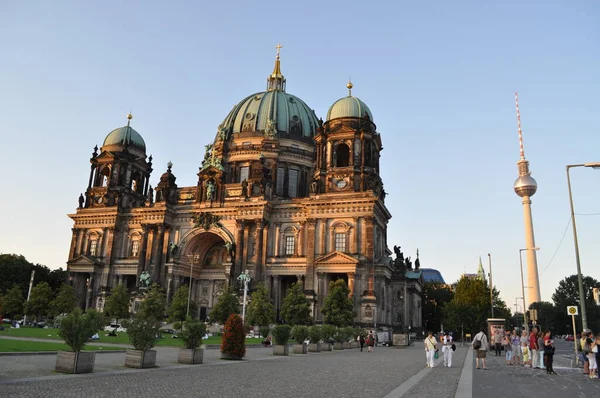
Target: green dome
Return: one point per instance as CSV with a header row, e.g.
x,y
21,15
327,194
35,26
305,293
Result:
x,y
348,107
285,112
125,136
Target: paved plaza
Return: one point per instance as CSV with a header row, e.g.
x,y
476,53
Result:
x,y
387,372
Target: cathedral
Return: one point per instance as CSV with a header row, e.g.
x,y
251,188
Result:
x,y
281,194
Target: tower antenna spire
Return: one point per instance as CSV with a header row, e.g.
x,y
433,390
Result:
x,y
522,151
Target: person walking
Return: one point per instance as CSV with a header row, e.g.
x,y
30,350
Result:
x,y
533,348
549,353
430,349
498,342
370,341
447,341
515,341
591,355
586,361
507,348
481,345
361,341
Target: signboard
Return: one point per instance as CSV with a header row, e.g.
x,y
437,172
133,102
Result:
x,y
572,310
533,315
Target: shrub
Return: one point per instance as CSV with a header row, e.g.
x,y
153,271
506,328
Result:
x,y
97,318
76,329
233,341
340,335
281,334
300,333
314,334
142,332
350,333
264,331
192,334
177,325
327,332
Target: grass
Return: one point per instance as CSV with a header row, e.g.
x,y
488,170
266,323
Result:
x,y
122,338
25,346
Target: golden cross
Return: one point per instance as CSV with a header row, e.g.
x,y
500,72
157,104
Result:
x,y
278,47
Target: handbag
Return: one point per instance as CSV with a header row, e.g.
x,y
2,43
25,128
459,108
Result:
x,y
453,347
436,355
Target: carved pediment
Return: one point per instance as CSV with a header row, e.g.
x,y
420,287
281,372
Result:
x,y
83,264
335,258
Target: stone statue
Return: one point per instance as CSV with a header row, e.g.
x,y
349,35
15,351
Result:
x,y
173,250
314,186
320,122
222,132
81,200
417,264
245,188
230,249
270,129
144,279
408,263
150,196
210,190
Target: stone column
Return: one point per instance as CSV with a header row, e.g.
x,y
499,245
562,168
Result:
x,y
84,248
309,279
368,239
277,238
73,247
239,249
102,248
164,254
301,251
89,291
143,249
110,231
258,254
354,238
351,284
157,253
277,294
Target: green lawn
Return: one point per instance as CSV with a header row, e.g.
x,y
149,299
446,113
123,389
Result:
x,y
24,346
122,338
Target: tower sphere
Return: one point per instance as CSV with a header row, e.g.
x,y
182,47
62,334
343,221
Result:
x,y
525,186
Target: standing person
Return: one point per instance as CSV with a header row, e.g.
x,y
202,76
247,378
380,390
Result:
x,y
591,355
361,340
430,349
481,345
515,342
370,341
533,347
525,352
586,362
548,353
498,342
540,344
523,340
447,340
596,351
507,348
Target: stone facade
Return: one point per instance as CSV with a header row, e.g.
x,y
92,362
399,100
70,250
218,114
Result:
x,y
284,205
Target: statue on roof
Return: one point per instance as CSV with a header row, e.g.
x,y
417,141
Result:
x,y
417,262
408,263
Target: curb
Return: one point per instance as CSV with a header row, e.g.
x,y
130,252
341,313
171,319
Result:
x,y
27,353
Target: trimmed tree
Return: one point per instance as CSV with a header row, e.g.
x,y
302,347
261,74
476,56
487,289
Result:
x,y
39,301
76,329
117,304
233,342
226,304
338,309
296,307
13,302
153,306
178,308
260,311
65,301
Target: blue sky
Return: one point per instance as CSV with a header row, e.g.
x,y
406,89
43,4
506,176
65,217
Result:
x,y
439,78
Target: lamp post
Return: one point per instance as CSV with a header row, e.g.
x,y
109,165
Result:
x,y
594,165
191,258
523,286
244,278
491,285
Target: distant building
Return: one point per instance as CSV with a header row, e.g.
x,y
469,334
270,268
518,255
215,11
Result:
x,y
431,275
479,275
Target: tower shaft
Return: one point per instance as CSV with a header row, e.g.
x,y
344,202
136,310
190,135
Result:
x,y
533,281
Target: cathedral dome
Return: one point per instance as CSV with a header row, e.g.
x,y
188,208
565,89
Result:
x,y
348,107
273,111
125,136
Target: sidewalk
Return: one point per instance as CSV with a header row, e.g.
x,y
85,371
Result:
x,y
502,381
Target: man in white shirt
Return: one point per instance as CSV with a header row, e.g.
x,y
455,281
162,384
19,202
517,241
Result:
x,y
447,349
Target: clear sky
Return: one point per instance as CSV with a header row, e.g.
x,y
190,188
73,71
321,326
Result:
x,y
439,78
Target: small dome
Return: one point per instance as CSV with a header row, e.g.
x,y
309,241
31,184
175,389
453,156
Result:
x,y
348,107
274,109
525,185
125,136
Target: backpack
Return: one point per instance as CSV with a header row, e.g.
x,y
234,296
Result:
x,y
476,343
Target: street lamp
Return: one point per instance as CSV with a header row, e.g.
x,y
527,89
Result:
x,y
491,285
244,278
523,286
594,165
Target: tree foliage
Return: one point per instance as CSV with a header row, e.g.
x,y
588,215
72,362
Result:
x,y
39,301
470,307
77,328
13,302
117,304
260,311
233,341
16,270
193,333
178,308
295,309
338,309
567,293
226,304
435,296
152,308
546,316
65,301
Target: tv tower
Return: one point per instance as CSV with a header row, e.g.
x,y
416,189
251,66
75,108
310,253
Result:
x,y
525,186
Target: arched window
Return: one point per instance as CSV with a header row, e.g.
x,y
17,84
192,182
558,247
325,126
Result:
x,y
342,155
135,243
289,241
340,233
